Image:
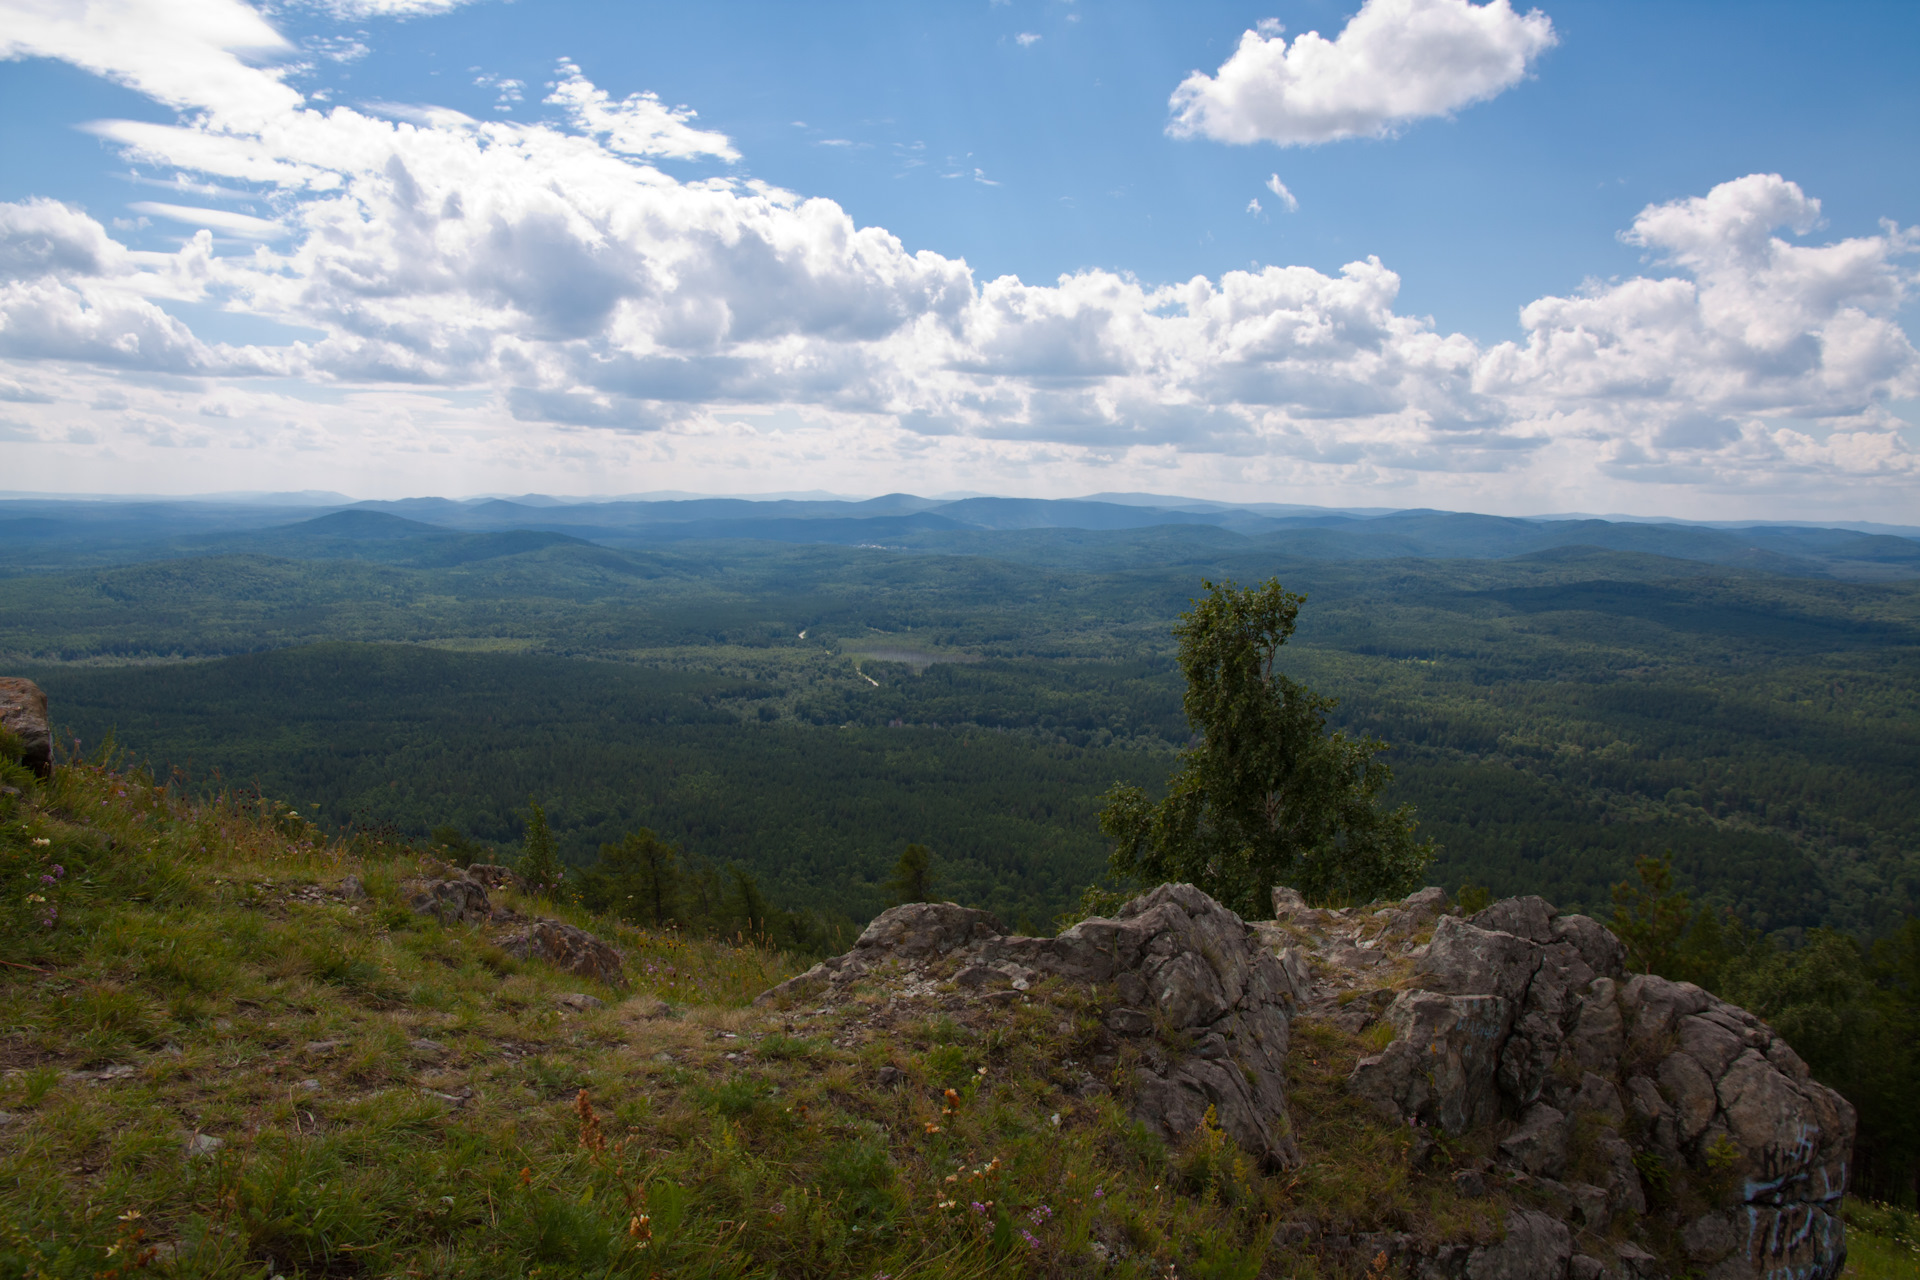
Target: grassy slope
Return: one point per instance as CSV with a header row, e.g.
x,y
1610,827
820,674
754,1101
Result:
x,y
200,950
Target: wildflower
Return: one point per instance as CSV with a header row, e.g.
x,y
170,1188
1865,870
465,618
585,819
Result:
x,y
978,1207
1054,1119
41,842
1033,1241
953,1177
1099,1193
932,1127
34,897
129,1215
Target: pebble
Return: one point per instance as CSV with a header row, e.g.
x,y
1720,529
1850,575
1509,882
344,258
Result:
x,y
579,1001
204,1144
424,1045
318,1047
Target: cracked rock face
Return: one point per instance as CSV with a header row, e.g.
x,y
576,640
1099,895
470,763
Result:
x,y
1187,972
1599,1083
1627,1113
23,710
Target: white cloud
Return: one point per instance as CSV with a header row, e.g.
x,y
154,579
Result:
x,y
593,305
1279,188
1395,61
243,225
181,54
639,124
1253,206
1026,39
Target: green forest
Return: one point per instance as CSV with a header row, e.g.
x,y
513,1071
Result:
x,y
1551,718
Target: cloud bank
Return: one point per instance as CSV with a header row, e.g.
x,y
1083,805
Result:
x,y
1396,61
560,279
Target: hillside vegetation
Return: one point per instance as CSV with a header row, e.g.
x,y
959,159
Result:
x,y
222,1060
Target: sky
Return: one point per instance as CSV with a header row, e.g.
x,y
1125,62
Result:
x,y
1641,258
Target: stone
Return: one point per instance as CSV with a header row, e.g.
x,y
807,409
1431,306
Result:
x,y
1709,1238
455,901
579,1001
353,890
1464,959
427,1048
23,713
492,875
1525,1012
6,1118
1584,1268
1536,1247
1176,958
1470,1183
1688,1089
1530,918
892,1077
203,1144
1440,1067
562,945
1287,902
321,1048
1539,1145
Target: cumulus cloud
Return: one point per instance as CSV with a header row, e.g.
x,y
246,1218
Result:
x,y
637,125
1394,62
564,274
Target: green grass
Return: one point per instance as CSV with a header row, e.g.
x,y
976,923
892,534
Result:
x,y
1883,1241
205,979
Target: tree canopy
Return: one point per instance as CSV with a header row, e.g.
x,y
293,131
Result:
x,y
1264,794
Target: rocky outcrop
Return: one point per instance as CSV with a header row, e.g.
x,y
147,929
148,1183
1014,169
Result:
x,y
23,713
462,899
453,901
1621,1099
1626,1126
1196,997
565,947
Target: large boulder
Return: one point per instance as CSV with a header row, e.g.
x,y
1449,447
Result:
x,y
23,713
1524,1021
1187,981
458,900
565,947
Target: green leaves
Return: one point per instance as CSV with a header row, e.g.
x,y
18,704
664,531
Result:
x,y
1265,794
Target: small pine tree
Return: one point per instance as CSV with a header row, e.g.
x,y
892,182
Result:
x,y
912,879
749,904
1651,916
539,864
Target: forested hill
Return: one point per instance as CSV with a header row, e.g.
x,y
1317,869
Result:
x,y
50,532
804,709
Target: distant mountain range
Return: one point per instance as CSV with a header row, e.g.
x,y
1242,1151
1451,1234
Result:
x,y
60,532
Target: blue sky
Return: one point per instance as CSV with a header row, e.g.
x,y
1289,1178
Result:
x,y
646,315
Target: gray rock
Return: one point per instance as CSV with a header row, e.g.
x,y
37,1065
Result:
x,y
6,1118
1464,959
23,713
1287,902
1530,918
321,1048
1688,1089
427,1048
579,1001
1522,1010
572,950
892,1077
492,875
1440,1066
455,901
353,890
1537,1247
1539,1145
203,1144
